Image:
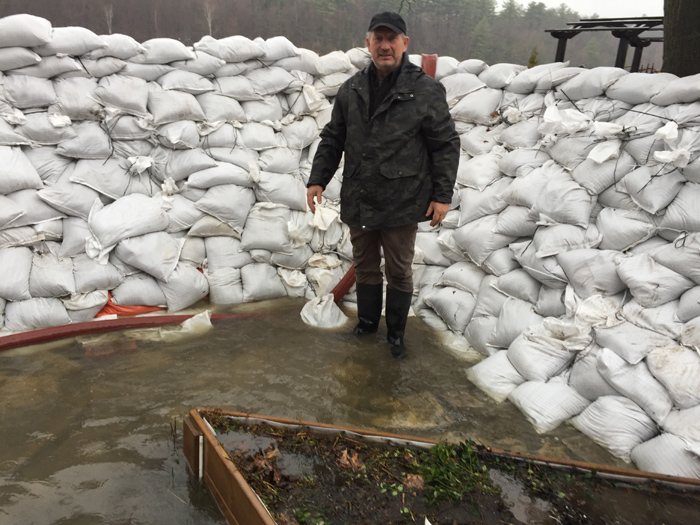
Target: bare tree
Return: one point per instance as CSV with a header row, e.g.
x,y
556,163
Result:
x,y
681,37
108,13
209,8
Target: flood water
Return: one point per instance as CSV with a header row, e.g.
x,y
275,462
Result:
x,y
87,425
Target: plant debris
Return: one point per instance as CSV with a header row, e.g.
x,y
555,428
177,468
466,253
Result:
x,y
335,479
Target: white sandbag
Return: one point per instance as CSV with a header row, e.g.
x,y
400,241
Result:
x,y
218,108
51,275
684,423
523,134
209,226
613,197
500,262
203,64
162,51
595,177
8,136
270,81
680,256
616,423
239,88
478,172
585,377
550,302
592,272
333,62
128,128
266,228
76,98
543,351
147,72
25,92
16,171
280,160
24,30
295,282
21,236
323,279
35,313
296,261
281,188
495,376
501,75
186,81
138,289
454,306
268,108
15,267
545,269
225,286
624,229
660,319
73,41
590,83
155,253
182,214
231,49
519,284
689,305
359,57
678,369
515,317
667,454
472,65
464,276
305,60
553,240
171,106
223,173
680,214
257,136
239,156
547,405
639,88
479,139
69,197
91,275
122,93
479,203
459,85
570,151
229,203
629,341
515,221
329,85
679,91
97,69
479,107
636,383
36,209
478,332
91,142
652,188
129,216
186,286
261,282
84,307
562,201
193,251
428,251
300,133
220,135
118,46
9,212
41,129
113,178
225,252
75,233
478,239
50,67
651,283
489,300
323,312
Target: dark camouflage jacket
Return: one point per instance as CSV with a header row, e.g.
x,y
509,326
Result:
x,y
398,161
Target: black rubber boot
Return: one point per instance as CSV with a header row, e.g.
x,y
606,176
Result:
x,y
369,308
397,306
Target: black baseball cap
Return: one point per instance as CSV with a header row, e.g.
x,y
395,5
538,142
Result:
x,y
387,19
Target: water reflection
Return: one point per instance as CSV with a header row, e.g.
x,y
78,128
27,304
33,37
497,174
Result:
x,y
86,424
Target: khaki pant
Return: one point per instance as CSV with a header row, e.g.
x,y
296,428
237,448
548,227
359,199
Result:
x,y
398,245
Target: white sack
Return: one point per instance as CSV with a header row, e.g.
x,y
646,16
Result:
x,y
323,312
547,405
225,286
651,283
34,314
495,376
678,369
667,454
139,289
261,282
185,287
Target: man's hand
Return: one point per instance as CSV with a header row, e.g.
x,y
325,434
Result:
x,y
438,210
311,192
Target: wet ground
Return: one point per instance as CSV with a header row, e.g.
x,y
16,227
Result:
x,y
86,426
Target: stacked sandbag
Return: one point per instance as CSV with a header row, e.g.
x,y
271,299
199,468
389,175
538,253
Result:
x,y
156,174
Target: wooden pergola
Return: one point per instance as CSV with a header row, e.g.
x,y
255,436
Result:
x,y
638,32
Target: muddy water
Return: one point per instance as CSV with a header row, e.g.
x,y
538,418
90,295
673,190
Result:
x,y
86,425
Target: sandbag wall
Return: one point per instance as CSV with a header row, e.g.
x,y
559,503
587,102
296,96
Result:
x,y
158,174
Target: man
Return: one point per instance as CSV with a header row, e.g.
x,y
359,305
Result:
x,y
401,154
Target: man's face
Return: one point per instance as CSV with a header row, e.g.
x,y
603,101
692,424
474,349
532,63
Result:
x,y
386,48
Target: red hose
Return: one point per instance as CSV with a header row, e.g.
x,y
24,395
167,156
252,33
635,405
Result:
x,y
344,285
54,333
429,64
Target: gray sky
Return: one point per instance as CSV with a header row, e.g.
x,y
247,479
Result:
x,y
607,8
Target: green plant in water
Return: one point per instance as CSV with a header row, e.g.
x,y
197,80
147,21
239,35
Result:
x,y
452,470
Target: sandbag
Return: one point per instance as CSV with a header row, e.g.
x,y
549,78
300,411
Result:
x,y
547,405
454,306
495,376
678,369
323,312
34,314
667,454
185,287
617,424
261,282
651,283
225,285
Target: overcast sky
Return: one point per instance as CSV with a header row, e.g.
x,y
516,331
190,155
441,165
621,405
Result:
x,y
607,8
